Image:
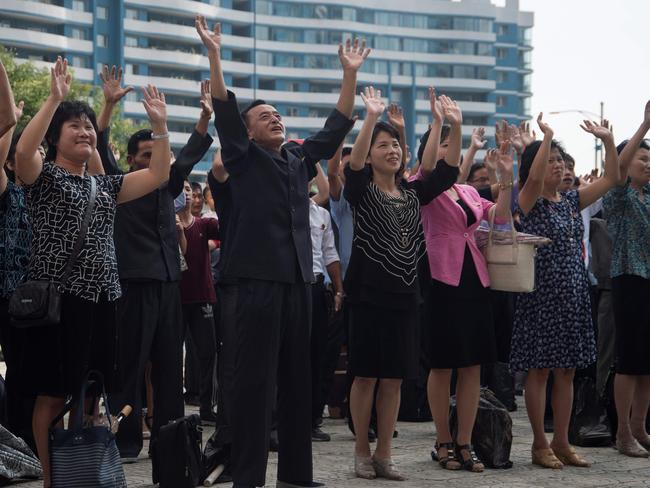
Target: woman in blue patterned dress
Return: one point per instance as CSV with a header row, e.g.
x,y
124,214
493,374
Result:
x,y
553,330
627,210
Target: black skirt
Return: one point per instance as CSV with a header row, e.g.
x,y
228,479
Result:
x,y
631,302
383,342
54,360
459,328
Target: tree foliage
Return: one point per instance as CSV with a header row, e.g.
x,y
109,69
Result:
x,y
31,84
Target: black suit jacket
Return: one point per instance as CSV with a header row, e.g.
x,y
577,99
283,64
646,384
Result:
x,y
268,235
145,229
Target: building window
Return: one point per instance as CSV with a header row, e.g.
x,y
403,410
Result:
x,y
79,62
502,77
101,40
102,13
501,53
78,33
292,112
502,101
502,30
79,5
131,13
131,41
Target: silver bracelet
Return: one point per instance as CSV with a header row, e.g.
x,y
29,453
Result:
x,y
155,137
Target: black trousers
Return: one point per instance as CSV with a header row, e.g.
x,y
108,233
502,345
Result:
x,y
19,406
150,327
319,349
266,334
199,326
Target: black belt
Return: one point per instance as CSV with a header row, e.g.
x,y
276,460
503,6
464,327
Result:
x,y
319,278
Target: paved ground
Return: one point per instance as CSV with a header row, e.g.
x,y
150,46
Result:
x,y
333,464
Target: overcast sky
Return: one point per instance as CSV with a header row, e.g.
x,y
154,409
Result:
x,y
585,52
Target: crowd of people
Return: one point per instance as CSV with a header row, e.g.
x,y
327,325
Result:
x,y
248,270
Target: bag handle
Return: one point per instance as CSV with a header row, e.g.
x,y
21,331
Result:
x,y
83,230
76,423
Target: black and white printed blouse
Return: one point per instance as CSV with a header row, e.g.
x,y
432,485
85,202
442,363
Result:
x,y
56,203
388,238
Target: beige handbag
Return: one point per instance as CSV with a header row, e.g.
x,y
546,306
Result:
x,y
511,266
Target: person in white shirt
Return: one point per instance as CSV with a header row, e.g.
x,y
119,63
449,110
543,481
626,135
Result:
x,y
326,261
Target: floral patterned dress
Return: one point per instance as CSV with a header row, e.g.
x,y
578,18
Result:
x,y
553,326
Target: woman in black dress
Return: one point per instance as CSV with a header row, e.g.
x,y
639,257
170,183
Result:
x,y
381,280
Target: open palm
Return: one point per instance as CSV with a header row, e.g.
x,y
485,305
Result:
x,y
352,55
601,131
154,104
210,39
372,99
60,80
112,84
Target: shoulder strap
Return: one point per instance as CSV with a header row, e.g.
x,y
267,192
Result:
x,y
78,244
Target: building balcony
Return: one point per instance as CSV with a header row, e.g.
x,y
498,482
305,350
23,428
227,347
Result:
x,y
473,108
43,41
466,129
43,12
81,74
188,8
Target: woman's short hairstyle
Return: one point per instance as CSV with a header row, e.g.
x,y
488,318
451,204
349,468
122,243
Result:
x,y
645,144
66,111
528,157
444,135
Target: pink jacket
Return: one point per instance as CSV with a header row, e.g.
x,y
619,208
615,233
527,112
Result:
x,y
446,233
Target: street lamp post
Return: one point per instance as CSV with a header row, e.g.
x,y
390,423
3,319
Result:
x,y
598,148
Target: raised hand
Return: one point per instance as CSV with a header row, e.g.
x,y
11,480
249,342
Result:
x,y
501,132
18,110
61,80
114,150
112,85
601,131
478,138
505,161
491,159
396,116
451,110
543,126
436,106
527,136
352,55
375,106
206,100
646,113
514,136
154,104
210,39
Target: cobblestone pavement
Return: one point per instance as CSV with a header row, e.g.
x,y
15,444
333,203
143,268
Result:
x,y
333,464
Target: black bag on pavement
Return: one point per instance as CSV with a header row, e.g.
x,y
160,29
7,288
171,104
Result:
x,y
217,452
37,303
85,456
176,454
492,434
589,425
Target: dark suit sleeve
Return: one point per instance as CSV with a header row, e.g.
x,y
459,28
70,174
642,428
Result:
x,y
439,180
196,147
326,141
233,134
106,155
220,192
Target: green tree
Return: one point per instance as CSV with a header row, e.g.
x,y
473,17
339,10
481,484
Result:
x,y
32,85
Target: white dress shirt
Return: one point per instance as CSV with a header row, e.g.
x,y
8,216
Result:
x,y
322,238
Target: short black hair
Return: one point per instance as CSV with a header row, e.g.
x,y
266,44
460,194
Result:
x,y
250,106
66,111
645,144
568,159
444,135
382,126
528,156
135,139
196,187
475,167
346,151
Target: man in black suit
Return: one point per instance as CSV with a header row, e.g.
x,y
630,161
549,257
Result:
x,y
266,260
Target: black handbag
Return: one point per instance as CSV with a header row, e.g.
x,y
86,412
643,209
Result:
x,y
176,454
38,302
85,456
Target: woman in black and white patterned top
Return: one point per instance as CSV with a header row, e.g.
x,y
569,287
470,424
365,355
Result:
x,y
381,280
55,359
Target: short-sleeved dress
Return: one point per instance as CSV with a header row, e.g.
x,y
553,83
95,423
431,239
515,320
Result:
x,y
381,282
54,360
553,326
628,222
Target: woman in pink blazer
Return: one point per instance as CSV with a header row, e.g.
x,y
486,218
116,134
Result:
x,y
460,332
